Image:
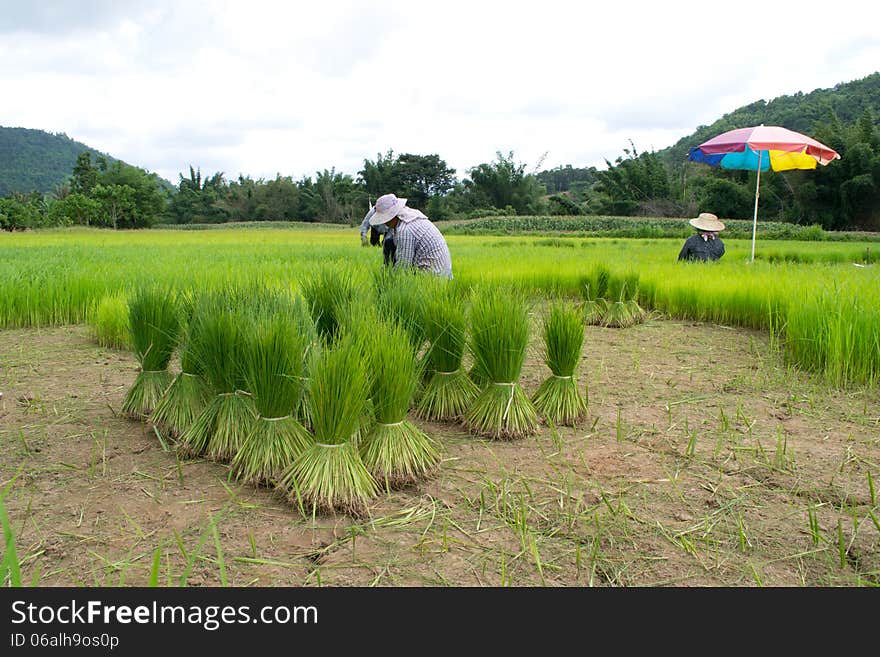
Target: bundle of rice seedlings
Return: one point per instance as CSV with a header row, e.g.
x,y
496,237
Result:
x,y
594,307
617,314
632,298
360,326
330,474
329,293
217,337
272,361
449,391
154,324
558,398
499,338
187,395
394,450
108,322
595,289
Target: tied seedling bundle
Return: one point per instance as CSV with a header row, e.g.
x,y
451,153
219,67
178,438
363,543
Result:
x,y
449,391
617,313
595,289
360,326
637,313
294,309
217,335
187,395
623,310
499,338
558,398
329,475
154,322
394,450
272,360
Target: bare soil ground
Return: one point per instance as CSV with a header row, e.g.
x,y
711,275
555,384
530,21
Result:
x,y
703,461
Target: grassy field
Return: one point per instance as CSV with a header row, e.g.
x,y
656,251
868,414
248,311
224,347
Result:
x,y
800,291
731,438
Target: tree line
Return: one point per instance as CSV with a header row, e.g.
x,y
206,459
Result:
x,y
844,195
117,195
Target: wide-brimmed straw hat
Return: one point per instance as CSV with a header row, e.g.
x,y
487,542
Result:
x,y
708,222
387,207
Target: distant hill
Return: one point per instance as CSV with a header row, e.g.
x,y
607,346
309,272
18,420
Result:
x,y
802,112
35,160
805,113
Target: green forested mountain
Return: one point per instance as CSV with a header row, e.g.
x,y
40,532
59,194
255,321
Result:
x,y
812,113
34,160
844,195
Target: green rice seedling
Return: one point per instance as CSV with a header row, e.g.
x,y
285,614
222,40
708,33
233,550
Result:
x,y
450,390
217,335
558,398
499,337
155,326
186,397
329,292
311,355
330,475
273,362
601,278
395,451
109,322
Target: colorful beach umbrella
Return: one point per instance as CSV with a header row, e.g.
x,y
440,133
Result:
x,y
760,148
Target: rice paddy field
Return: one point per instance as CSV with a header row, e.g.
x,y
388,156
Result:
x,y
569,411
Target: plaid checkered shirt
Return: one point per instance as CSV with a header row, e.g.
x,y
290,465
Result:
x,y
421,245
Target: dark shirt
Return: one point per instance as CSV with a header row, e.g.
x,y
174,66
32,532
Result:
x,y
696,248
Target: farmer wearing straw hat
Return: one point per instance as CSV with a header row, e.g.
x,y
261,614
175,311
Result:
x,y
705,245
418,242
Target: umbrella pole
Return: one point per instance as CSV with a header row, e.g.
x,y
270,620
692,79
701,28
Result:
x,y
757,194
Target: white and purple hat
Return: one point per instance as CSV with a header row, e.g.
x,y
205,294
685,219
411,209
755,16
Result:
x,y
387,207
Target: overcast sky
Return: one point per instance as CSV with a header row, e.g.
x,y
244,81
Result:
x,y
261,88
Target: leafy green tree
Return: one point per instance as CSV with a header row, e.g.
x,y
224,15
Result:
x,y
22,211
635,179
561,204
726,198
85,176
277,200
418,178
567,178
140,200
75,209
337,199
199,201
381,177
118,206
505,182
423,177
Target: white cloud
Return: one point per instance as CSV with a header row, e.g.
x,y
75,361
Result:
x,y
261,87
